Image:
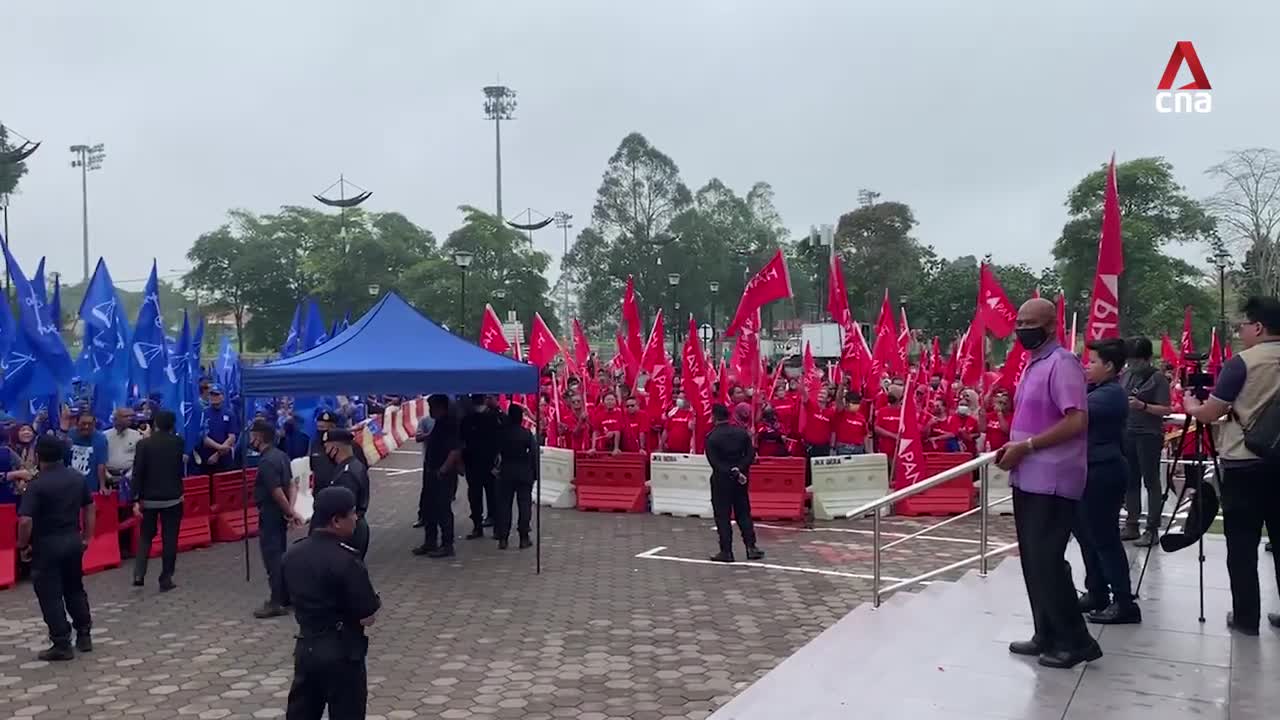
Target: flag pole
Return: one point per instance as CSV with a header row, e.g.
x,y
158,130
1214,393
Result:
x,y
537,479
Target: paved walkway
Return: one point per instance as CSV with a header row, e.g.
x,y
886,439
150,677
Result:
x,y
613,627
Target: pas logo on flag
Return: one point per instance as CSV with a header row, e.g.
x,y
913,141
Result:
x,y
1194,97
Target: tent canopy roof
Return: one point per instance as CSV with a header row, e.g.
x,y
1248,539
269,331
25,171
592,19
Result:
x,y
393,349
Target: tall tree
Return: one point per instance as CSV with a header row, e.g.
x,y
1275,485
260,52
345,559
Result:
x,y
878,250
1248,211
1156,214
10,173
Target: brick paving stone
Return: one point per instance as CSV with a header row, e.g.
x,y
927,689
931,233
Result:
x,y
600,634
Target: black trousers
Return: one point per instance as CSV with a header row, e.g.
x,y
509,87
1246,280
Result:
x,y
57,573
480,490
340,685
1044,527
170,520
513,488
729,498
273,538
1250,499
1142,455
437,508
1097,529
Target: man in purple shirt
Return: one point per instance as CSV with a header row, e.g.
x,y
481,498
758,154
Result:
x,y
1047,456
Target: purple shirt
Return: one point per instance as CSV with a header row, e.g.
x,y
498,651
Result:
x,y
1052,384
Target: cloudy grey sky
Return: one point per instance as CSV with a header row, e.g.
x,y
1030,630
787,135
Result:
x,y
980,115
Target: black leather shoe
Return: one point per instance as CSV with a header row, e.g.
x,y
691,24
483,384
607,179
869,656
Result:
x,y
57,653
418,523
1066,659
1130,533
442,552
487,522
502,544
1087,603
1116,614
139,582
268,611
722,557
1251,631
1274,619
525,542
476,534
755,553
167,584
1148,539
1025,647
84,643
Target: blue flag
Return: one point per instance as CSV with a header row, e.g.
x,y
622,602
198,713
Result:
x,y
148,358
36,325
226,372
193,356
25,386
293,341
38,281
188,408
56,305
313,330
346,321
105,355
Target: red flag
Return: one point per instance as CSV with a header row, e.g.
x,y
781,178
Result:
x,y
519,354
1062,321
1014,363
1215,352
631,316
491,335
543,346
698,393
581,348
746,352
1226,352
935,361
810,375
885,359
1188,345
772,283
837,295
654,352
998,313
660,389
908,462
1104,305
630,363
722,384
971,362
904,340
1167,353
855,356
553,414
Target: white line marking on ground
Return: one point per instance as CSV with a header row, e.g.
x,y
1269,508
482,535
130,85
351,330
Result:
x,y
652,554
406,452
883,533
396,471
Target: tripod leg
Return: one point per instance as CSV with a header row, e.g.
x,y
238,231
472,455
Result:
x,y
1164,499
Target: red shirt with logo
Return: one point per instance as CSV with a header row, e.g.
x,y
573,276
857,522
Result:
x,y
965,428
635,425
679,434
888,419
817,424
605,422
997,437
788,412
851,427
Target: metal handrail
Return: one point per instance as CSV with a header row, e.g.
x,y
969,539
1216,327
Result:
x,y
982,465
948,521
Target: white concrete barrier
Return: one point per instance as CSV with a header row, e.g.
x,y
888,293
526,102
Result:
x,y
844,482
393,428
410,409
680,485
557,478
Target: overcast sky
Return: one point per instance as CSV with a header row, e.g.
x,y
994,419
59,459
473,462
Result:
x,y
981,116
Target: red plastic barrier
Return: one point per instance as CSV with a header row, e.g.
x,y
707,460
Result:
x,y
950,498
196,529
777,488
229,519
8,545
380,445
606,481
104,549
408,421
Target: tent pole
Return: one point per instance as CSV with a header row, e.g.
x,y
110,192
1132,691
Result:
x,y
244,501
537,478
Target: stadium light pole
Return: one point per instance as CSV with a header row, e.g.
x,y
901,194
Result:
x,y
499,105
87,158
673,280
463,259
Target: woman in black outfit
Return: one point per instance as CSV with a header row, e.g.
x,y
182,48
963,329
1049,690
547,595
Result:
x,y
518,452
1109,599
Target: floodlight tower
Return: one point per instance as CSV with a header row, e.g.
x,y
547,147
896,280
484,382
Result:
x,y
499,105
87,158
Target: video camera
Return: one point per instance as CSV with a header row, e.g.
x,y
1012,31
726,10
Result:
x,y
1194,379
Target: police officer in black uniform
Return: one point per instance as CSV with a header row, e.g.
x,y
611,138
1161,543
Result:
x,y
352,475
441,463
480,434
519,452
333,602
730,454
49,536
273,493
322,466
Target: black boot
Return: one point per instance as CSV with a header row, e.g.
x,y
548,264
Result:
x,y
502,543
269,610
477,533
1066,659
445,551
84,643
1130,533
755,553
1148,539
525,542
1026,647
167,584
1117,614
1088,603
722,557
60,652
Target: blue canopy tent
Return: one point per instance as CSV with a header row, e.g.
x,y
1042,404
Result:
x,y
395,349
392,349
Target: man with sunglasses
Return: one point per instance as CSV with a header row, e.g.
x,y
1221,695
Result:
x,y
1247,384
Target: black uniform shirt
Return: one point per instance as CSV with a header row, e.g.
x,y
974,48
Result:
x,y
354,477
442,441
273,472
518,450
53,502
321,466
327,584
481,433
729,446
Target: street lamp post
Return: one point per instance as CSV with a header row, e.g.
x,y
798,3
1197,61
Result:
x,y
1222,260
86,158
462,259
563,222
673,280
500,294
714,287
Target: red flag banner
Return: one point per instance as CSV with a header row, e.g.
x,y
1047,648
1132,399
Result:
x,y
698,393
998,314
1104,305
654,353
581,348
904,340
908,462
1167,353
837,295
491,335
885,359
1062,321
971,362
746,352
543,346
631,316
1188,345
772,283
1215,352
810,375
1014,363
552,418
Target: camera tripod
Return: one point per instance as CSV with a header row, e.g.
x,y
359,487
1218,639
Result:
x,y
1202,508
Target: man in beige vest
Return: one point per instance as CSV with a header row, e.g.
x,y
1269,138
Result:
x,y
1250,484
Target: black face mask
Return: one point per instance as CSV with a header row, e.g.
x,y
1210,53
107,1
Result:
x,y
1032,338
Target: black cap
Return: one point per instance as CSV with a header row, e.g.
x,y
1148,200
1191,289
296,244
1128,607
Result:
x,y
327,416
337,435
331,502
262,425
